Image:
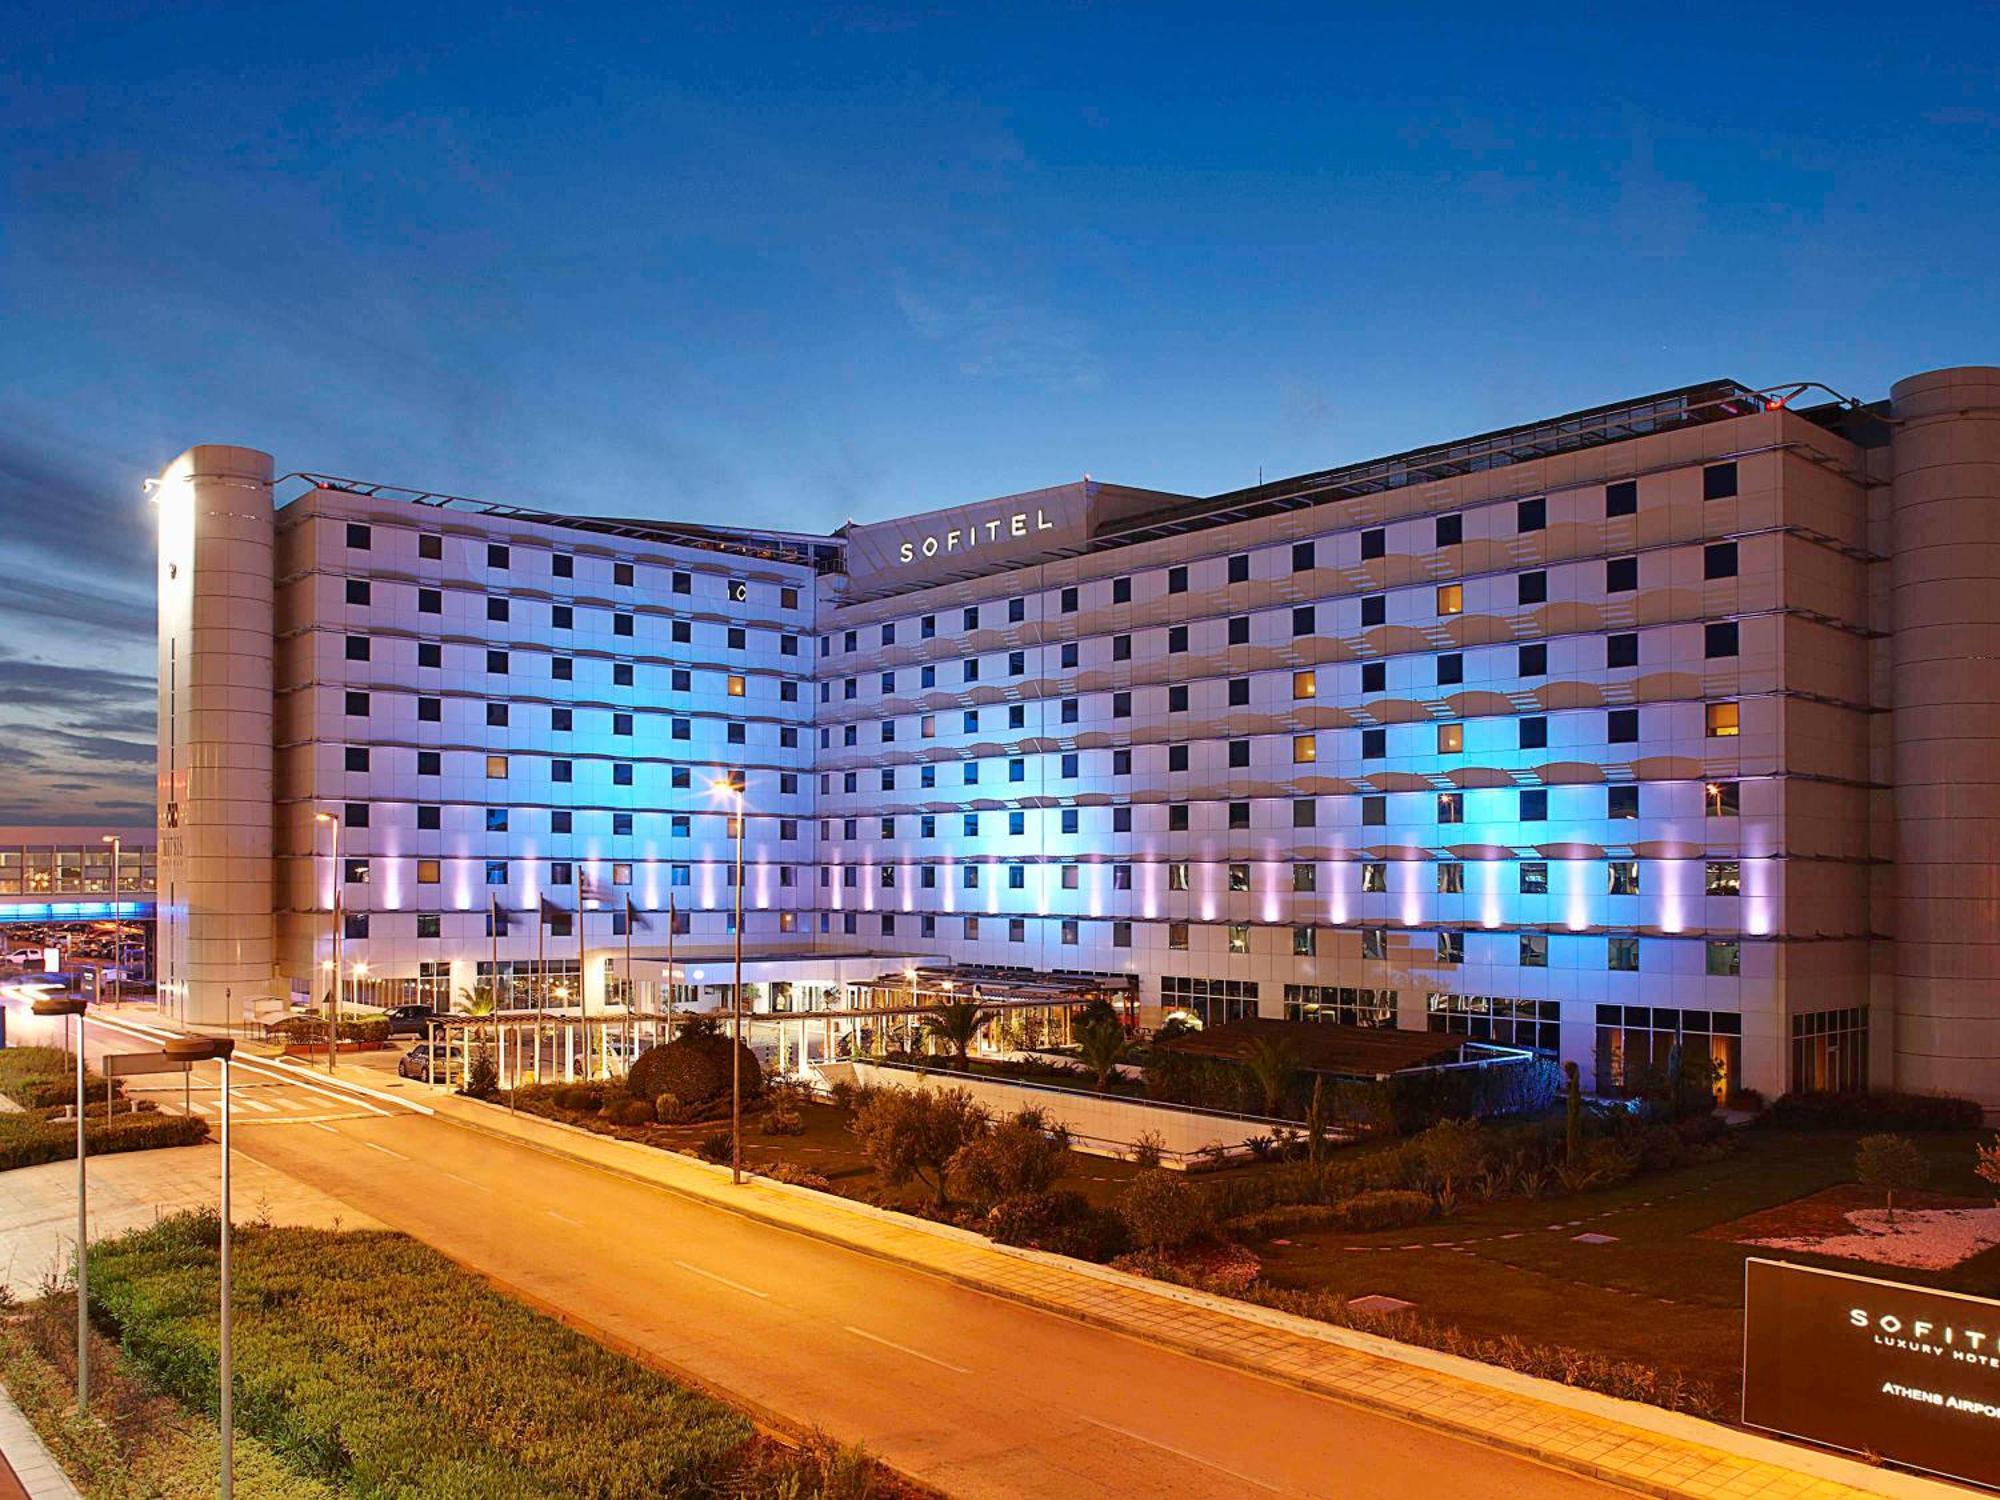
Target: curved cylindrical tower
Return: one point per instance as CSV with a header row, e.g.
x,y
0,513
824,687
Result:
x,y
1945,609
216,646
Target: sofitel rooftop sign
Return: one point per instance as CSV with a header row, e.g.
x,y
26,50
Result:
x,y
1016,525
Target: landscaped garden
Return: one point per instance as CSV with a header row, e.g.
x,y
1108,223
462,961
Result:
x,y
40,1085
367,1364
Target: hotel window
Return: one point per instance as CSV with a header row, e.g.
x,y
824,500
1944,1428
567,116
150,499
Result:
x,y
682,680
1830,1050
1375,942
1534,877
927,627
1071,765
1374,676
1017,610
496,557
1532,588
621,574
1451,807
1451,948
1239,630
1723,877
496,715
1177,935
683,583
1450,530
562,617
358,591
1305,685
496,663
1718,560
1302,620
1621,650
429,763
889,634
888,684
621,624
1531,515
1177,817
1069,932
1622,498
1450,669
1305,942
354,924
1451,877
496,768
1121,820
736,685
1722,799
1374,543
1239,754
1450,739
1534,950
1621,575
1724,721
1534,805
679,631
1239,877
496,874
1017,663
788,598
1621,726
1374,609
561,770
1239,938
1066,601
1302,556
430,817
1017,929
972,617
497,609
1724,958
1534,734
1621,802
1375,877
358,537
354,871
1622,877
357,705
1305,878
1305,750
969,721
1305,813
1177,638
1239,693
430,710
1532,661
357,648
1121,877
1069,654
1121,705
1017,770
1450,599
561,668
430,602
1719,639
969,825
1177,758
1718,481
1239,567
1177,876
1621,955
496,820
430,546
1069,877
1121,648
681,729
1121,761
1017,823
621,774
562,565
1121,934
1177,580
1375,811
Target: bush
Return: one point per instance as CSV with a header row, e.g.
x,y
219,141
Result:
x,y
310,1031
1225,1270
668,1109
27,1141
1162,1210
718,1146
629,1112
798,1176
783,1120
916,1133
1874,1112
483,1082
45,1078
1023,1155
1062,1223
1149,1149
1380,1208
695,1068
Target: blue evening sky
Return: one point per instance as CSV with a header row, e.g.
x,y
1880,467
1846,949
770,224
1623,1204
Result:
x,y
793,266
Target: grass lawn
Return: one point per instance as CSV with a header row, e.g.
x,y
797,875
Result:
x,y
1660,1293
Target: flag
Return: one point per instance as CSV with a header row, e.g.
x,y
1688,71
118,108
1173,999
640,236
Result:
x,y
588,890
499,918
550,912
635,920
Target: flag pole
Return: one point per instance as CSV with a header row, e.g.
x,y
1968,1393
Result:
x,y
673,921
631,921
541,978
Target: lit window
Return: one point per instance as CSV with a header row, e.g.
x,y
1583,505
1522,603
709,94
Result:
x,y
1305,750
1451,878
1724,877
1451,599
1239,938
1305,942
1177,935
1451,738
1725,958
1723,721
428,872
496,768
1375,877
1239,877
735,685
1722,799
1305,685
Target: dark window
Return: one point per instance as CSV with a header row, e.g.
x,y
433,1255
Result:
x,y
1374,812
496,662
357,704
430,654
1065,602
1450,530
354,924
358,591
1177,580
1239,692
1718,481
1719,638
1239,630
1239,568
1374,744
1177,757
1621,575
1374,677
621,624
1718,560
1177,698
1451,668
1621,726
562,565
1017,611
1239,754
496,557
359,537
1177,638
429,763
1532,660
355,815
1535,805
621,774
1374,543
621,573
1302,556
357,648
1622,498
1302,620
496,609
683,583
1621,802
1531,515
1532,588
1621,651
430,602
562,617
356,758
496,715
430,546
430,710
430,817
1374,609
1534,734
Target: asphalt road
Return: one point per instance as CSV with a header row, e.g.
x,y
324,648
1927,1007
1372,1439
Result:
x,y
974,1394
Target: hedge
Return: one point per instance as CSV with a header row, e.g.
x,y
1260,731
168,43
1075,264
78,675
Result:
x,y
310,1031
369,1361
31,1141
44,1077
1873,1111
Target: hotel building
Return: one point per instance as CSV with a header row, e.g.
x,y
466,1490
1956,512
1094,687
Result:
x,y
1673,720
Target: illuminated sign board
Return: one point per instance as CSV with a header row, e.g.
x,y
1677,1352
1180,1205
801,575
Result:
x,y
932,544
1906,1372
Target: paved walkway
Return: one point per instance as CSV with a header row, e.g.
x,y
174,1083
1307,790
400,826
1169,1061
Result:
x,y
1639,1447
27,1472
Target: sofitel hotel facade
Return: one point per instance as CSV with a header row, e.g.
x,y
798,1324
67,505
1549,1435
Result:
x,y
1677,719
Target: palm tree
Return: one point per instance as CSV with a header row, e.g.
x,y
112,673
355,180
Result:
x,y
1101,1044
477,1001
1272,1062
956,1025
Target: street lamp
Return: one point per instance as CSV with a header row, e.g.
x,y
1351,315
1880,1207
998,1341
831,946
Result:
x,y
191,1050
732,786
333,995
117,844
67,1005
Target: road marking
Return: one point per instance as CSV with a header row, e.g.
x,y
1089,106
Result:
x,y
466,1180
876,1338
385,1151
565,1218
200,1107
1139,1437
733,1285
316,1125
253,1104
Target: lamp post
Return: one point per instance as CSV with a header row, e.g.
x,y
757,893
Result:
x,y
333,995
117,844
732,786
190,1050
67,1005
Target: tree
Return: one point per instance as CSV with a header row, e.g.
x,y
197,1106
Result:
x,y
1316,1123
1889,1162
1023,1153
1273,1063
1101,1044
956,1025
1163,1210
1572,1114
914,1134
477,1001
1989,1162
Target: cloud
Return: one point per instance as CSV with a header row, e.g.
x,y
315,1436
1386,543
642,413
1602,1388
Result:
x,y
103,747
989,334
26,682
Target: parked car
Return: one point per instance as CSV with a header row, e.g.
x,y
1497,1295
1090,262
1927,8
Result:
x,y
409,1020
433,1064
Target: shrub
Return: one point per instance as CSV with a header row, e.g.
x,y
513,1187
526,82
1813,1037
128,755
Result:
x,y
1889,1162
310,1031
45,1078
668,1109
798,1176
1062,1223
915,1134
27,1141
1875,1112
1225,1270
718,1146
1987,1162
1149,1149
1021,1155
694,1067
483,1081
629,1112
783,1120
1163,1210
1380,1208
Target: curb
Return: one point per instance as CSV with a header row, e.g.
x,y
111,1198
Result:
x,y
1725,1442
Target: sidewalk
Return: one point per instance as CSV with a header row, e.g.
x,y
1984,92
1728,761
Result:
x,y
27,1472
1646,1449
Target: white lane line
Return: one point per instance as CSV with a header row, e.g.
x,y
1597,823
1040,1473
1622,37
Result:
x,y
466,1180
316,1125
564,1218
932,1359
385,1151
1195,1458
732,1285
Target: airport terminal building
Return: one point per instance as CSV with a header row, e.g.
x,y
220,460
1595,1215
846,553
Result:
x,y
1676,720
